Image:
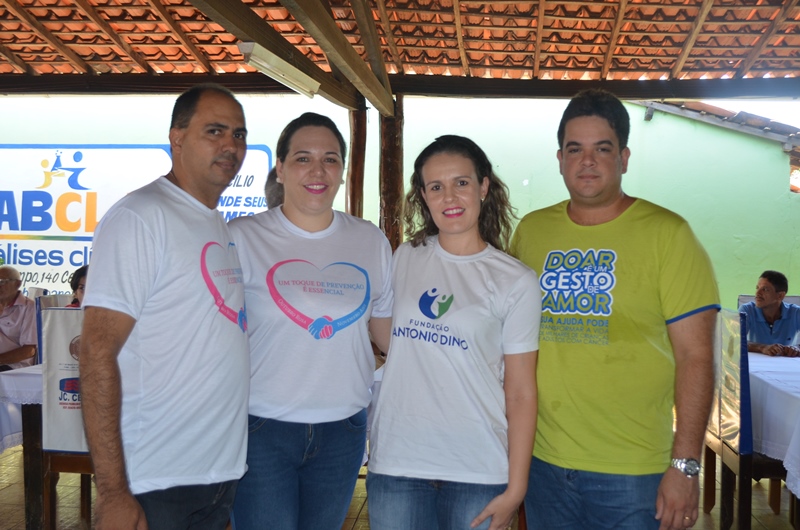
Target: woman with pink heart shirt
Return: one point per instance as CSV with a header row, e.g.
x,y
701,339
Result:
x,y
453,428
317,282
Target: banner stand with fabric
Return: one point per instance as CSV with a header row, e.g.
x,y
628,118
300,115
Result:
x,y
59,347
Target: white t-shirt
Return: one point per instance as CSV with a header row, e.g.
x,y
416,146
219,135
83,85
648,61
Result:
x,y
168,261
309,297
441,413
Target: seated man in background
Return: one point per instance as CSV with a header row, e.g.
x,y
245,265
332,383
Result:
x,y
773,326
17,322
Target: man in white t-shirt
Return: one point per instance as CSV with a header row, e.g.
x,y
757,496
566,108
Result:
x,y
164,359
17,322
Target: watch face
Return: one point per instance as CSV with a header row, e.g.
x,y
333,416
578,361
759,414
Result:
x,y
688,466
691,467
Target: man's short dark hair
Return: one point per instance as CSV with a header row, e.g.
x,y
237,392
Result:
x,y
777,279
600,103
186,104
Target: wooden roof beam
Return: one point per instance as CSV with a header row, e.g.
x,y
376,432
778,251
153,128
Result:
x,y
612,39
21,65
755,53
387,32
184,39
537,58
369,38
335,71
688,44
43,33
106,28
319,23
460,37
433,85
240,20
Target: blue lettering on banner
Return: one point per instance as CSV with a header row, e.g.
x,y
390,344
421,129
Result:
x,y
255,202
52,197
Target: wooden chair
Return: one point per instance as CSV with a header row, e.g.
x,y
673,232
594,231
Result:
x,y
56,463
53,463
730,431
42,470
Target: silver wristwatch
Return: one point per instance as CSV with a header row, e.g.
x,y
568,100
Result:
x,y
688,466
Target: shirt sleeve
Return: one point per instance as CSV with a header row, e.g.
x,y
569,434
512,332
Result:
x,y
383,305
28,335
521,323
686,279
124,264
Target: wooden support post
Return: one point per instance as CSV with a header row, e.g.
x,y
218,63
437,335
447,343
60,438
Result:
x,y
391,174
354,202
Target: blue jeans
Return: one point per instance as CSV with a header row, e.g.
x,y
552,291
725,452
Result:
x,y
202,506
300,476
402,503
560,498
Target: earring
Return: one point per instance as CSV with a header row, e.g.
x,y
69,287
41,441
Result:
x,y
342,181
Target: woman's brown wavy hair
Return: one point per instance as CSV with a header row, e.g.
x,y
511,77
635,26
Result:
x,y
497,214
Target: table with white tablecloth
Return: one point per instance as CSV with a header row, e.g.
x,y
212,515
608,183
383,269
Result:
x,y
23,389
775,402
10,426
17,387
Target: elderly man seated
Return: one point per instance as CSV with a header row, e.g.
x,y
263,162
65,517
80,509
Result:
x,y
17,322
773,326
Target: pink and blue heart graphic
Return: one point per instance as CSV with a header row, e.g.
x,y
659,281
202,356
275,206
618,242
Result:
x,y
237,317
323,327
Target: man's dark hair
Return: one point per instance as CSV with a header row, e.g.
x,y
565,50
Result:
x,y
186,104
777,279
600,103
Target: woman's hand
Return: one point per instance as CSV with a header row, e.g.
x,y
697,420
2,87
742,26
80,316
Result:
x,y
501,509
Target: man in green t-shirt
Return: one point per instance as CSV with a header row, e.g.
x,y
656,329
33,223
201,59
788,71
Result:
x,y
628,311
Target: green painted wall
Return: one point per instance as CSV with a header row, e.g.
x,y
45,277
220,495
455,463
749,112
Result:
x,y
733,188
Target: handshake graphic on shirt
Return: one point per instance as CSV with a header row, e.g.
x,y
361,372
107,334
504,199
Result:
x,y
321,328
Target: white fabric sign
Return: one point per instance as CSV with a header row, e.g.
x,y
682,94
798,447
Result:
x,y
59,344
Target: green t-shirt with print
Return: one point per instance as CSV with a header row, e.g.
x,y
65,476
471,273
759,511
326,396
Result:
x,y
606,370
